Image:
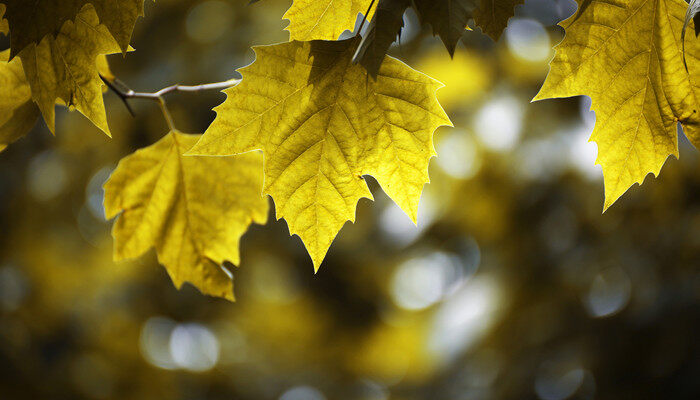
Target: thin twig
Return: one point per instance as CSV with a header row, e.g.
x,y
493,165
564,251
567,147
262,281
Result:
x,y
125,93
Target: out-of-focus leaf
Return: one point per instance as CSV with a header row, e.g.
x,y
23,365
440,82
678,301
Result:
x,y
467,77
192,210
57,69
627,57
31,21
323,19
322,123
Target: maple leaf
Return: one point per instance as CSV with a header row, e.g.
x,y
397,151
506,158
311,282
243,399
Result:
x,y
692,14
627,57
384,28
322,123
31,21
493,15
192,210
18,113
65,68
323,19
448,19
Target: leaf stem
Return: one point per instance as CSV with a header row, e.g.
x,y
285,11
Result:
x,y
125,93
364,17
166,114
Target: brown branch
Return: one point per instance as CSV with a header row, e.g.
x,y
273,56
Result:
x,y
125,94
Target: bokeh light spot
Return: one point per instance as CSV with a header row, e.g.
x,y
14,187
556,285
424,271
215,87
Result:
x,y
498,123
302,393
609,293
47,176
194,347
458,155
421,282
528,40
155,342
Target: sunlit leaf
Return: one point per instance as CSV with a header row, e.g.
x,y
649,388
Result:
x,y
692,14
192,210
323,19
627,57
322,123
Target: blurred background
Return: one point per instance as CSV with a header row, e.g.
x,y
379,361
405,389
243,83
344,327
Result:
x,y
513,285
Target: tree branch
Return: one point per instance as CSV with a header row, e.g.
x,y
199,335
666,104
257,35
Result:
x,y
125,93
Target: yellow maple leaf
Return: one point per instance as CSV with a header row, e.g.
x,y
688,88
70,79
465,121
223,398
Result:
x,y
65,68
31,21
493,15
18,113
192,210
322,123
627,57
323,19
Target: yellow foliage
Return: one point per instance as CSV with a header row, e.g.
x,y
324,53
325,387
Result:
x,y
64,68
31,21
17,111
322,123
193,210
323,19
627,57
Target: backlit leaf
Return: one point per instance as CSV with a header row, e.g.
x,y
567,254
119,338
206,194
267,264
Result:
x,y
692,14
192,210
18,113
323,19
322,124
64,68
627,56
31,20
